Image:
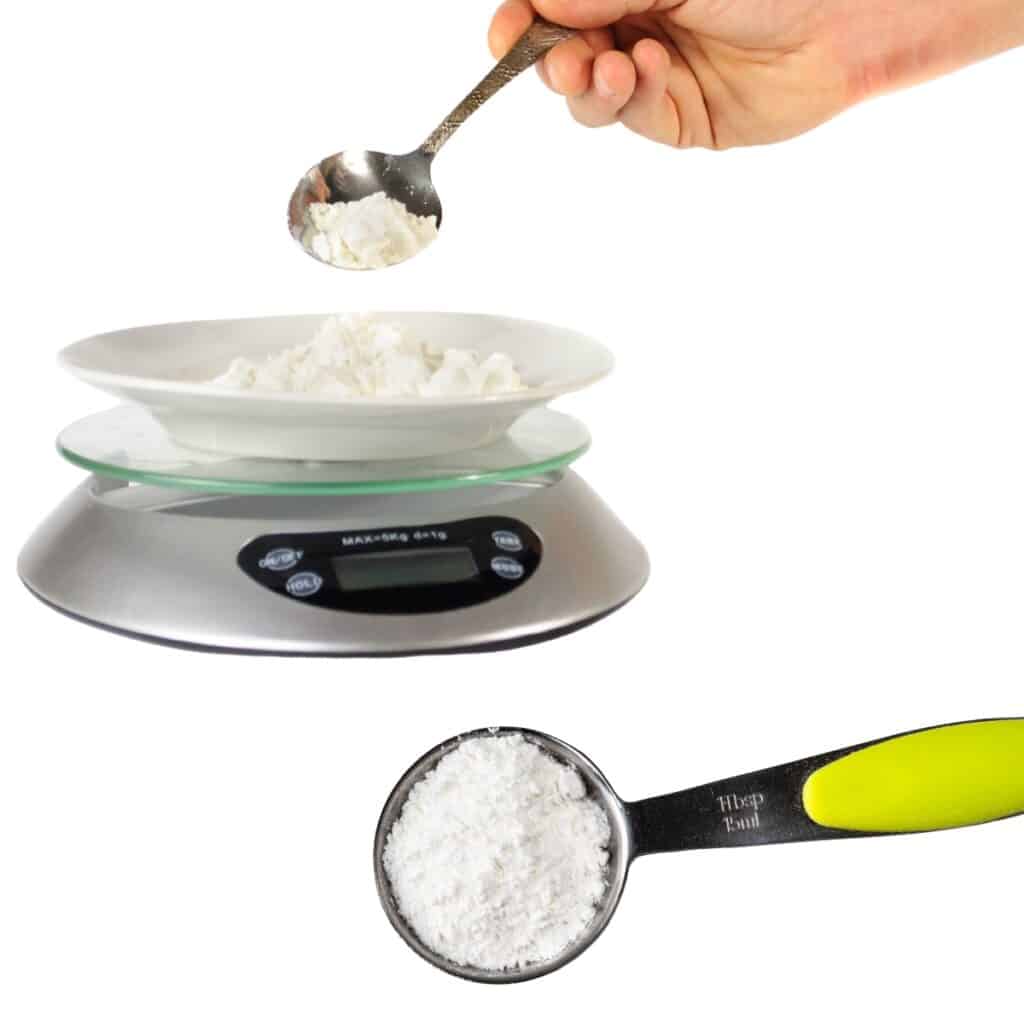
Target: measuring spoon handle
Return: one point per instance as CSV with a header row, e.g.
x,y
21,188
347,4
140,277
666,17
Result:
x,y
946,777
540,38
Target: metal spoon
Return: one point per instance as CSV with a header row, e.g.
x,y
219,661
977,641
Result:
x,y
947,777
355,174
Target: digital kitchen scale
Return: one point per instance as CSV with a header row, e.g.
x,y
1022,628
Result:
x,y
494,547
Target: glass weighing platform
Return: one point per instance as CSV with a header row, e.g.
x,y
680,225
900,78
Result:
x,y
493,547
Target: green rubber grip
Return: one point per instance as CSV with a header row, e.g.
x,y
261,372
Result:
x,y
940,778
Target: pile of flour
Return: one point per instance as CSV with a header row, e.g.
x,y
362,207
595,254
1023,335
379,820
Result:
x,y
368,234
499,858
362,356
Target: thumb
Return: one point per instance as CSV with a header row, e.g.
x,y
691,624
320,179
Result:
x,y
598,13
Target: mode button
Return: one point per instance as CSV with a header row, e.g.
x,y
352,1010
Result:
x,y
508,568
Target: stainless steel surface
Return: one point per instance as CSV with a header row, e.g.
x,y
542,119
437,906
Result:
x,y
162,565
355,174
620,854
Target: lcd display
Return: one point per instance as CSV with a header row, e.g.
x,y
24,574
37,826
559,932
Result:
x,y
386,570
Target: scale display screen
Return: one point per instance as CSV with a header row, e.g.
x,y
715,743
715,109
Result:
x,y
417,569
387,570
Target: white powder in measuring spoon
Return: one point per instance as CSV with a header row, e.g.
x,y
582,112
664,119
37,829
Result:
x,y
499,859
368,234
363,356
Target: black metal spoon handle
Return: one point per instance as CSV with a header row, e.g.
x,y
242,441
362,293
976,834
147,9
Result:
x,y
947,777
539,39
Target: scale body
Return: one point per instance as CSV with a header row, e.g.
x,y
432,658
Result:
x,y
446,566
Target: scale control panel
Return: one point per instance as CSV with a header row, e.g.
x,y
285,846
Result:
x,y
399,570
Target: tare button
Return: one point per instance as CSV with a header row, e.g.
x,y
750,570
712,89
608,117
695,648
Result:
x,y
506,540
508,568
304,584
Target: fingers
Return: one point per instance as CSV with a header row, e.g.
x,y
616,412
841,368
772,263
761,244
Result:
x,y
510,21
514,17
568,68
651,111
611,87
602,84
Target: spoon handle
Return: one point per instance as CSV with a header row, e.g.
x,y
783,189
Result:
x,y
947,777
541,37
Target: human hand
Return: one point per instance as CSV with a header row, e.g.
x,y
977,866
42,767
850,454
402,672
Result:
x,y
723,73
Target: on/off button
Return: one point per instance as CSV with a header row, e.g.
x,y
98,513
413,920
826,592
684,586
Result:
x,y
508,568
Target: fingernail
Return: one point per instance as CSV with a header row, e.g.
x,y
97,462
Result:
x,y
602,85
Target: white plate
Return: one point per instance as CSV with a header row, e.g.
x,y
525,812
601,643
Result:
x,y
167,370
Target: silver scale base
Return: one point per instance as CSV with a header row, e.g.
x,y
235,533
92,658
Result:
x,y
160,565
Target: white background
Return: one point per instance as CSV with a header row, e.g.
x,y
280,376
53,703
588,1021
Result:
x,y
815,426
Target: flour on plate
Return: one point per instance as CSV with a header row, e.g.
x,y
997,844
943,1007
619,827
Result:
x,y
499,858
367,234
363,356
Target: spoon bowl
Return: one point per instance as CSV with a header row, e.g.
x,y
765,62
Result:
x,y
355,174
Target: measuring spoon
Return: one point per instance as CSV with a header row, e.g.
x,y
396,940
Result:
x,y
941,778
355,174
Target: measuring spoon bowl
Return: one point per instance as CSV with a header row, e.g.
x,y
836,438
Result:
x,y
619,851
951,776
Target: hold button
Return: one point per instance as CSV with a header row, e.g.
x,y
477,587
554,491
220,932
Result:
x,y
304,584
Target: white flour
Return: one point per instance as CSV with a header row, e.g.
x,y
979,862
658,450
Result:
x,y
369,234
362,356
499,858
